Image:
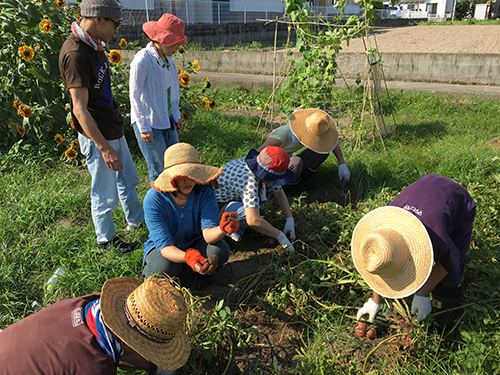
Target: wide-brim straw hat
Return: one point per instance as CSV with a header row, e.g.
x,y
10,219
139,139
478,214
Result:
x,y
149,317
168,30
182,160
393,252
315,129
270,165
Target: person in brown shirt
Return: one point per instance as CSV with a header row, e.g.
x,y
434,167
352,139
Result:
x,y
96,116
130,323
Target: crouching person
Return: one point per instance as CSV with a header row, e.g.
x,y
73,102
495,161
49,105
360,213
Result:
x,y
129,324
247,183
182,217
417,245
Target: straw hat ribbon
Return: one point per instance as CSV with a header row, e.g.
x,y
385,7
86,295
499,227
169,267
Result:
x,y
392,251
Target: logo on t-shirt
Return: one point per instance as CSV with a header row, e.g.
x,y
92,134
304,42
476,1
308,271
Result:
x,y
104,84
414,209
77,317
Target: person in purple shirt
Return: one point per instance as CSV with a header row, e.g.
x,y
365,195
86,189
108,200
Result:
x,y
417,245
182,217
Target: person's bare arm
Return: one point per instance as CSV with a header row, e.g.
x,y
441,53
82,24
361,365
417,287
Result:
x,y
173,254
80,98
269,142
438,273
338,154
283,202
213,235
255,221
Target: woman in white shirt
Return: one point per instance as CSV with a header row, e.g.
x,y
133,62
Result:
x,y
155,92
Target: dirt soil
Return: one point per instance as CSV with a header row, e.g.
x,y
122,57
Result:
x,y
432,39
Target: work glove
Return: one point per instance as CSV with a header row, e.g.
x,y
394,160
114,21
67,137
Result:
x,y
199,263
371,308
289,228
422,304
229,222
285,242
344,173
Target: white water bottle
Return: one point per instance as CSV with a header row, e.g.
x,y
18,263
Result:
x,y
53,279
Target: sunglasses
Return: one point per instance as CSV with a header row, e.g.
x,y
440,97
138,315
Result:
x,y
117,24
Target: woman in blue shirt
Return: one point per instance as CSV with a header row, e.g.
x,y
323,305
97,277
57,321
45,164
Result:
x,y
182,217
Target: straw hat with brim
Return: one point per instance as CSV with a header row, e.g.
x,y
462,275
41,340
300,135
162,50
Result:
x,y
270,165
149,317
315,129
182,160
168,30
392,250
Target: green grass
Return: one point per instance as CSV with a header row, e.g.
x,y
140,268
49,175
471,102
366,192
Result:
x,y
45,223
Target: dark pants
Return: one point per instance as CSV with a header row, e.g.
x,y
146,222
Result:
x,y
305,164
156,263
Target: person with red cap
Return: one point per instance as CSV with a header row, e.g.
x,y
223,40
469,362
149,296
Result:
x,y
155,92
245,186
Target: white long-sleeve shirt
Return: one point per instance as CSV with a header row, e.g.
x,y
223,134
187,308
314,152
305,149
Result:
x,y
149,81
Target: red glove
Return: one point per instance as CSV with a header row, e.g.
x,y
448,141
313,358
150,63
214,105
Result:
x,y
229,222
199,263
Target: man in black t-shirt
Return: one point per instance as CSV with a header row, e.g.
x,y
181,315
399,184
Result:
x,y
96,116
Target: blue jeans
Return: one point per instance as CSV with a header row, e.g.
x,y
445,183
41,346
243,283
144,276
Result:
x,y
109,186
153,152
155,263
240,210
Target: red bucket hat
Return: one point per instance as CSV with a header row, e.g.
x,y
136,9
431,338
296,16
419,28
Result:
x,y
168,30
270,165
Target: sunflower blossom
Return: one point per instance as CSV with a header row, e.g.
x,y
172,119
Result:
x,y
59,139
70,153
17,104
123,43
26,53
25,111
211,105
75,144
45,25
179,69
184,79
60,4
115,56
21,130
195,65
181,50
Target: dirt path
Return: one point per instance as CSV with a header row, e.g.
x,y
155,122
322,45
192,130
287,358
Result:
x,y
432,39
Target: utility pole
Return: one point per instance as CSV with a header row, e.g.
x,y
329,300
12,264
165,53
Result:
x,y
453,12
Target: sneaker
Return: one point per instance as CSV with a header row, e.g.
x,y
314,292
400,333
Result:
x,y
117,243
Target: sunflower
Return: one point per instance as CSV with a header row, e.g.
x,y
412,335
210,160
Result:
x,y
206,103
216,92
183,116
26,53
179,69
72,124
123,43
181,50
21,130
59,139
211,105
25,111
195,65
60,4
11,125
75,144
70,153
17,104
115,56
208,84
184,79
45,25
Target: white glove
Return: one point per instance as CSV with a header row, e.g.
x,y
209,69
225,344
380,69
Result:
x,y
289,228
422,304
285,242
344,173
371,308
